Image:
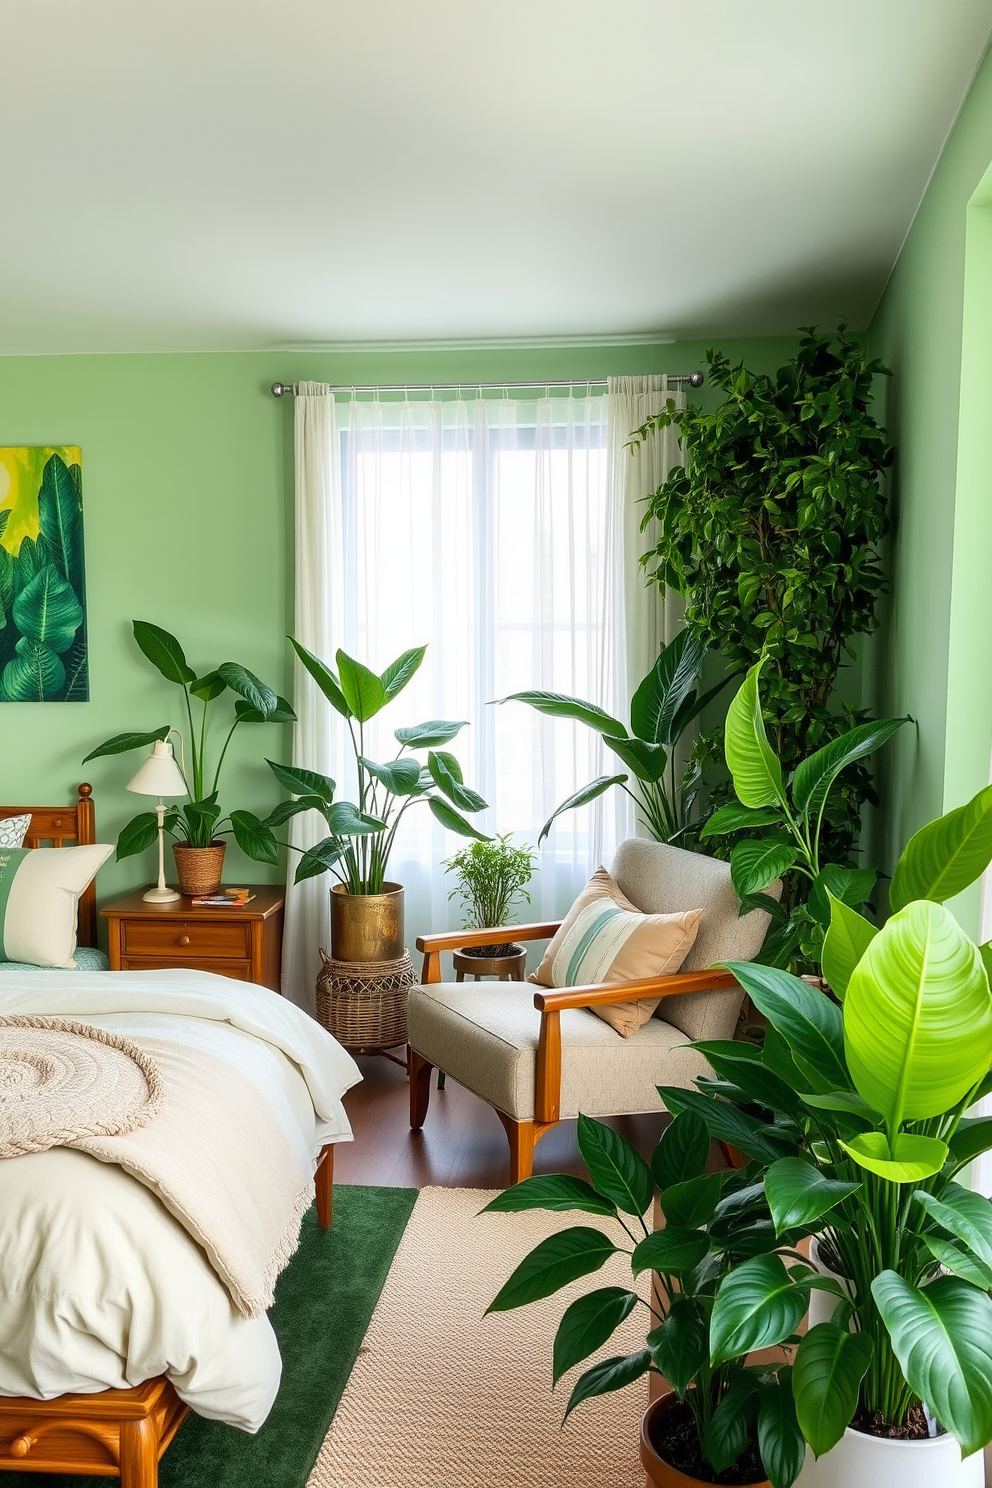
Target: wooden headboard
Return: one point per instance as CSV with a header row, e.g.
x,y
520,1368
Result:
x,y
54,826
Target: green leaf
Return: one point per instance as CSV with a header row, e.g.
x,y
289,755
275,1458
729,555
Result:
x,y
34,675
401,777
60,520
141,832
830,1364
691,1204
430,734
319,859
726,1123
918,1016
581,797
558,705
363,691
446,773
851,885
587,1324
754,865
766,904
670,1251
798,1194
907,1159
748,1071
968,1217
163,651
324,678
680,1345
647,761
345,820
399,672
254,838
758,1305
255,693
47,610
682,1152
734,818
611,1374
814,777
780,1441
751,760
555,1191
942,1337
732,1424
302,782
559,1259
208,687
846,941
809,1023
658,698
281,713
618,1171
452,821
959,1262
286,810
121,743
972,1137
946,855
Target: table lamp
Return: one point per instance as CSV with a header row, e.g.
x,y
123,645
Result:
x,y
159,776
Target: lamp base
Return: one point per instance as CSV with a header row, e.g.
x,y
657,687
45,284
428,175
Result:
x,y
160,896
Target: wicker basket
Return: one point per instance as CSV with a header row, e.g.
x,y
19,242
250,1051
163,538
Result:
x,y
363,1003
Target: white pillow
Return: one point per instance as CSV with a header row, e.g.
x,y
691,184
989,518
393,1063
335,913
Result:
x,y
39,892
13,830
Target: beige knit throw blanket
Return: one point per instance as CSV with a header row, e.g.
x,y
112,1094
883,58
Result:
x,y
217,1158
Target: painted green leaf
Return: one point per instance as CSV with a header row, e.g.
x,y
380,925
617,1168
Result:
x,y
942,1337
399,672
48,610
324,678
754,865
751,760
908,1158
561,1258
814,776
757,1305
679,1346
733,818
122,743
453,821
303,782
946,855
616,1169
558,705
429,735
830,1364
581,797
60,520
670,1251
918,1016
848,937
682,1151
611,1374
35,675
587,1324
557,1192
76,663
658,698
163,651
446,773
7,587
27,564
798,1193
255,693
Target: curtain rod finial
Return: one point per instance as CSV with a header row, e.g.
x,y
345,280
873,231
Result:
x,y
696,380
279,388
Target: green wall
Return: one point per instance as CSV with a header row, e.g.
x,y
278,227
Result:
x,y
188,496
933,328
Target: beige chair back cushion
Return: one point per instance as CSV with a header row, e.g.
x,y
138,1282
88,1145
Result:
x,y
661,879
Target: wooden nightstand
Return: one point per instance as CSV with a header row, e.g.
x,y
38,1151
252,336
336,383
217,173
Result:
x,y
241,943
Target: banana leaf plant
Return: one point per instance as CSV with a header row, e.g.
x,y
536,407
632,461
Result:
x,y
791,816
362,833
201,819
714,1223
873,1087
662,708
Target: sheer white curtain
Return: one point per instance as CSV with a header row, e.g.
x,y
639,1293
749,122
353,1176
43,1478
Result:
x,y
490,529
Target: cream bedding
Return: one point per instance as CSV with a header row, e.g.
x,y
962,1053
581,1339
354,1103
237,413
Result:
x,y
100,1286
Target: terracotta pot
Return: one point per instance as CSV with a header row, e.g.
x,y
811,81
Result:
x,y
199,870
658,1470
367,927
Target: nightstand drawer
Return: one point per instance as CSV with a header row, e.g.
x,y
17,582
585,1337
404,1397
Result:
x,y
184,941
239,970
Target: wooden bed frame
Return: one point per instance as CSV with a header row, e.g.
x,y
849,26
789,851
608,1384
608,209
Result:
x,y
114,1433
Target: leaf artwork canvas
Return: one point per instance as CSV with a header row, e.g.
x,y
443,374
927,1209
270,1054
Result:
x,y
43,655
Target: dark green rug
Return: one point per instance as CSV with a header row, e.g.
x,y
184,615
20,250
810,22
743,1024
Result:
x,y
324,1300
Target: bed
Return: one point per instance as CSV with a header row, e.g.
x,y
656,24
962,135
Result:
x,y
115,1322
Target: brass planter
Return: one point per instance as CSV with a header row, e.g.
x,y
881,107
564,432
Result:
x,y
367,927
199,870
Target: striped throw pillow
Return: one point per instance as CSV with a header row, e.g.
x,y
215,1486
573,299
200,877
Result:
x,y
605,938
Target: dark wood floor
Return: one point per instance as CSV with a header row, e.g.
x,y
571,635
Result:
x,y
462,1144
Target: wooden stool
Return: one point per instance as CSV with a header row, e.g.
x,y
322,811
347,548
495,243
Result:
x,y
506,968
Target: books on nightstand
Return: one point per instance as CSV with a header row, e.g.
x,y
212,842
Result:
x,y
223,899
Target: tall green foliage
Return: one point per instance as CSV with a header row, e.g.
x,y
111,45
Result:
x,y
771,532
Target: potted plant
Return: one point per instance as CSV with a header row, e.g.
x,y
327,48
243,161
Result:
x,y
200,826
727,1421
490,877
662,708
366,907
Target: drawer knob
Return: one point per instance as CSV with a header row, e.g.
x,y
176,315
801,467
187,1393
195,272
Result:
x,y
22,1445
184,940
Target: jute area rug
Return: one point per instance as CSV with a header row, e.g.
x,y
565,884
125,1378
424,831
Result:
x,y
443,1397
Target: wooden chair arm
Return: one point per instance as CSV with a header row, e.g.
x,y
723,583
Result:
x,y
547,1093
453,940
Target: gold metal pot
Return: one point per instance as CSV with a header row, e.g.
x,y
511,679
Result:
x,y
199,870
367,927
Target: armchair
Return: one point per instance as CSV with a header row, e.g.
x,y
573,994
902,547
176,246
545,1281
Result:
x,y
538,1055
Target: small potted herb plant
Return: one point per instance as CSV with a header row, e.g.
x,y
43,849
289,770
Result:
x,y
490,878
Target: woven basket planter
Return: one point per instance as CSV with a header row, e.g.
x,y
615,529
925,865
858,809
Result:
x,y
363,1003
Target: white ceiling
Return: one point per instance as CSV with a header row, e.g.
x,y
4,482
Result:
x,y
209,174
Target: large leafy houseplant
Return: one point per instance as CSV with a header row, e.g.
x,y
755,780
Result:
x,y
771,530
714,1222
790,816
201,820
662,708
362,833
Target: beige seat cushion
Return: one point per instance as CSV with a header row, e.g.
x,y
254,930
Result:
x,y
485,1037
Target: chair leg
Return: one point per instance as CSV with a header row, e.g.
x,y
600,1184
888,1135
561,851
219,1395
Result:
x,y
441,1079
324,1184
420,1088
522,1136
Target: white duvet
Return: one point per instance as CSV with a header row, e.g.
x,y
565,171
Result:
x,y
99,1286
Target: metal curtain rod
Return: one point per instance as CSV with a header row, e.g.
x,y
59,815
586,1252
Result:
x,y
279,389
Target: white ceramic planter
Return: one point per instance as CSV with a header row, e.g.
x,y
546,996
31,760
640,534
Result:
x,y
821,1304
859,1461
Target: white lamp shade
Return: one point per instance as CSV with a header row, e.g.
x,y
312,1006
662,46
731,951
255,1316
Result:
x,y
159,775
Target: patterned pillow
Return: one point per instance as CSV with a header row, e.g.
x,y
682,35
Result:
x,y
13,830
39,892
605,938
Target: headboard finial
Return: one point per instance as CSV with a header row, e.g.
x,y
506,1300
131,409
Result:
x,y
85,791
